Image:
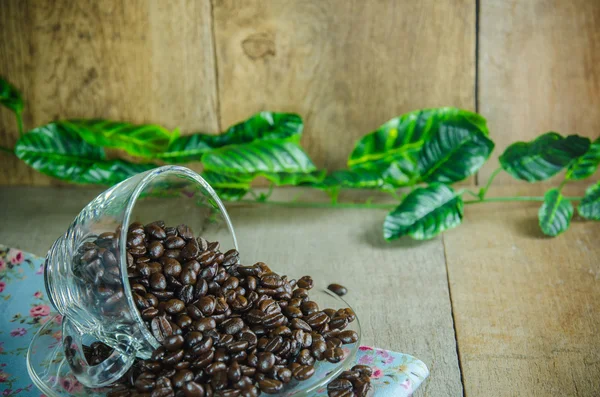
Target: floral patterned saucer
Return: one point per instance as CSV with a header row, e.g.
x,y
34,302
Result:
x,y
25,312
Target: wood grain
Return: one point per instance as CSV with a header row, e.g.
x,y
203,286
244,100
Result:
x,y
539,70
346,66
525,306
407,306
124,60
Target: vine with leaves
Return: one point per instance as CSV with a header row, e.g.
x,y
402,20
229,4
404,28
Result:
x,y
427,150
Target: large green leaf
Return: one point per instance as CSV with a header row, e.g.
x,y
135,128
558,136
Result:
x,y
227,187
354,179
425,213
139,140
589,207
10,96
453,152
586,165
62,154
294,178
543,157
399,141
555,214
261,126
260,156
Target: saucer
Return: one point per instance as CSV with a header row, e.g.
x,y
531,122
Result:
x,y
51,373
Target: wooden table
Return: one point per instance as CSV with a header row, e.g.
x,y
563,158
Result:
x,y
493,307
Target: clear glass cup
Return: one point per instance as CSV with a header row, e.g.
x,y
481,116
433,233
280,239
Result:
x,y
93,293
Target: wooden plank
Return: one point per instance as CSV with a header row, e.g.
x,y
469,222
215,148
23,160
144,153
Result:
x,y
127,60
525,306
539,70
399,290
346,66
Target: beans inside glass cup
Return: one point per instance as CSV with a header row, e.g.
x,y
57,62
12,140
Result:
x,y
225,329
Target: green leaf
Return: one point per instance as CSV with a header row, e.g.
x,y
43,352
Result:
x,y
586,165
259,157
139,140
399,142
589,207
555,214
453,152
354,179
10,96
425,213
261,126
294,178
543,157
61,153
228,187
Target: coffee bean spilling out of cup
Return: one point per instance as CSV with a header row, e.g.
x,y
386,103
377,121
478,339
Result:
x,y
225,329
337,289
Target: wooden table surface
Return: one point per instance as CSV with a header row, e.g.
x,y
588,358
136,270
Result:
x,y
493,307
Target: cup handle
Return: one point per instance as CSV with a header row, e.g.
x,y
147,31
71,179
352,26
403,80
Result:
x,y
99,375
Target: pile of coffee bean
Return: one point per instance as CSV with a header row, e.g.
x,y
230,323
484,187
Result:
x,y
225,329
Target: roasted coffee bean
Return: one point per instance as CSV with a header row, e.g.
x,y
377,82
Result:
x,y
172,254
161,328
186,294
348,336
174,306
318,349
187,277
163,295
193,389
158,282
203,359
317,320
205,324
155,230
209,272
305,357
292,312
206,258
337,289
144,384
338,323
149,313
173,342
274,320
182,377
284,375
249,391
174,242
270,386
303,372
309,307
305,282
156,249
300,293
207,305
155,267
265,362
214,246
138,288
363,369
298,323
215,367
334,355
173,358
219,380
333,342
191,250
232,326
143,269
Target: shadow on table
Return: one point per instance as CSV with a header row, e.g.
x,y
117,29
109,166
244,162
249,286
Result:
x,y
372,234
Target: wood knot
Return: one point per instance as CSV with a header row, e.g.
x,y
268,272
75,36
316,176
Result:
x,y
259,45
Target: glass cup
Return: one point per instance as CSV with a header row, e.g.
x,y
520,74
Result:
x,y
88,284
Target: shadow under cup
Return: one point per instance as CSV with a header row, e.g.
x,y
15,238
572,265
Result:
x,y
87,269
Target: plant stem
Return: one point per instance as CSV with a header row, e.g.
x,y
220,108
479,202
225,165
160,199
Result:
x,y
7,150
460,193
293,204
484,190
19,122
522,198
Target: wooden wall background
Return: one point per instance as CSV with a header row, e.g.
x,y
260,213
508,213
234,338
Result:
x,y
346,66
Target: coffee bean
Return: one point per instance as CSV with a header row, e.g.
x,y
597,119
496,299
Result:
x,y
207,305
270,386
173,254
303,372
158,282
203,346
309,307
205,324
337,289
348,336
156,249
174,242
265,362
341,393
232,326
305,282
191,250
149,313
173,342
334,355
187,277
363,369
173,357
215,367
174,306
317,320
274,320
161,328
193,389
113,299
249,391
186,294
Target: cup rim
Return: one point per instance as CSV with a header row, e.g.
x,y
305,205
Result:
x,y
141,185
